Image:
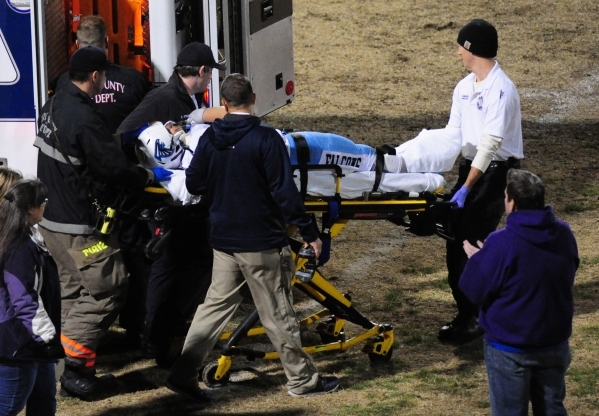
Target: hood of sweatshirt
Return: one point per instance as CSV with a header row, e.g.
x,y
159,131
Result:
x,y
538,227
228,131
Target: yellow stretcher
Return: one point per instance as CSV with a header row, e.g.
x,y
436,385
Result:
x,y
428,214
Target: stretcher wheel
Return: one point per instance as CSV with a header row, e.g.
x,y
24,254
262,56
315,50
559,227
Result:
x,y
378,358
208,376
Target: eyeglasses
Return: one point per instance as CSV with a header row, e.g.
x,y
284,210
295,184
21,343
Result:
x,y
43,204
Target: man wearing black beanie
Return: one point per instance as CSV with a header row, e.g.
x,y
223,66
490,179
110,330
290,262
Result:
x,y
486,110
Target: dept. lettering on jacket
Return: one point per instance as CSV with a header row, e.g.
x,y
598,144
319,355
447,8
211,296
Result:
x,y
106,96
96,248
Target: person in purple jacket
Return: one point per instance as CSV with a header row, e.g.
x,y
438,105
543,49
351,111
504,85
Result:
x,y
522,281
29,305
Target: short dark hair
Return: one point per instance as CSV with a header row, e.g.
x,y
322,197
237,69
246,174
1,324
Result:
x,y
526,190
237,90
79,76
92,31
185,71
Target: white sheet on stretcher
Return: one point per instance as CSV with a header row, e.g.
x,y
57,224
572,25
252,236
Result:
x,y
426,149
323,184
354,184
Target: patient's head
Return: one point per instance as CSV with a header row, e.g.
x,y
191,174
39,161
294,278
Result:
x,y
524,191
237,92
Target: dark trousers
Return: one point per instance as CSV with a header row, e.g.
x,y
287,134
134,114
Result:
x,y
132,236
178,281
480,216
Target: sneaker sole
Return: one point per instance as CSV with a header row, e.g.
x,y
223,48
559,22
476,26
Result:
x,y
320,393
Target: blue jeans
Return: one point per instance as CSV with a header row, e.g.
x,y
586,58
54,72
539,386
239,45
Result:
x,y
31,384
516,378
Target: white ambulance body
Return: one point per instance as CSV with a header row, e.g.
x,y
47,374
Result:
x,y
253,37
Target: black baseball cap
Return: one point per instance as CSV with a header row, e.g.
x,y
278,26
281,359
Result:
x,y
198,54
89,59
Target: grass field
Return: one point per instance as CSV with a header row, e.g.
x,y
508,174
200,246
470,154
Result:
x,y
379,71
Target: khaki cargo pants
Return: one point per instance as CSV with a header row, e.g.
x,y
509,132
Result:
x,y
268,276
92,293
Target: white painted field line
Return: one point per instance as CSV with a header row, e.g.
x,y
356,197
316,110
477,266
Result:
x,y
565,103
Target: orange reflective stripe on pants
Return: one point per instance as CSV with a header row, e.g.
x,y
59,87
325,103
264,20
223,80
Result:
x,y
75,350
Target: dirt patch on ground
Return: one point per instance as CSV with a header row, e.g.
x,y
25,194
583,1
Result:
x,y
378,72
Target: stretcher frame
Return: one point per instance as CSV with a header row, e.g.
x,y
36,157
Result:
x,y
378,337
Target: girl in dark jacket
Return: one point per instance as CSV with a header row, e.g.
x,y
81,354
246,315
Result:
x,y
29,305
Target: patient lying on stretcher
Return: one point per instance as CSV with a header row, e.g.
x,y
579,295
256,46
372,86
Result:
x,y
411,167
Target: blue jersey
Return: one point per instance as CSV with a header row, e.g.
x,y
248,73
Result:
x,y
331,149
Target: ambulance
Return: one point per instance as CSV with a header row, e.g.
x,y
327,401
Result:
x,y
37,37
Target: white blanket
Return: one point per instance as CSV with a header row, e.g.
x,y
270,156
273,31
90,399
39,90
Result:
x,y
354,184
430,151
323,184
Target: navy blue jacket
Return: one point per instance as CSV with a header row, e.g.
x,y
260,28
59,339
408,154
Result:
x,y
29,305
522,280
243,169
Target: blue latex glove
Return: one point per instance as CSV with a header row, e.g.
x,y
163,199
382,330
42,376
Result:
x,y
161,174
460,196
131,136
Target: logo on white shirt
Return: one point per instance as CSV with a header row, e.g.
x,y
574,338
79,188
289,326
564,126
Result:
x,y
479,102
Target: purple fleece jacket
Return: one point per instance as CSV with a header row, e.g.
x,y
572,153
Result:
x,y
29,304
522,281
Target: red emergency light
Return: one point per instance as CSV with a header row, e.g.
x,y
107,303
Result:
x,y
289,88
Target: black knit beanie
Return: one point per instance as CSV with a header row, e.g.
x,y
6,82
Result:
x,y
89,59
480,38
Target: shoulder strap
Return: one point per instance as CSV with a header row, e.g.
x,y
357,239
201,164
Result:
x,y
303,158
380,163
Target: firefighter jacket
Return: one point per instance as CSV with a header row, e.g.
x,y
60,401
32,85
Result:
x,y
123,91
85,139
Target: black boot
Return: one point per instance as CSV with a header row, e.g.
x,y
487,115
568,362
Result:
x,y
83,383
461,330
